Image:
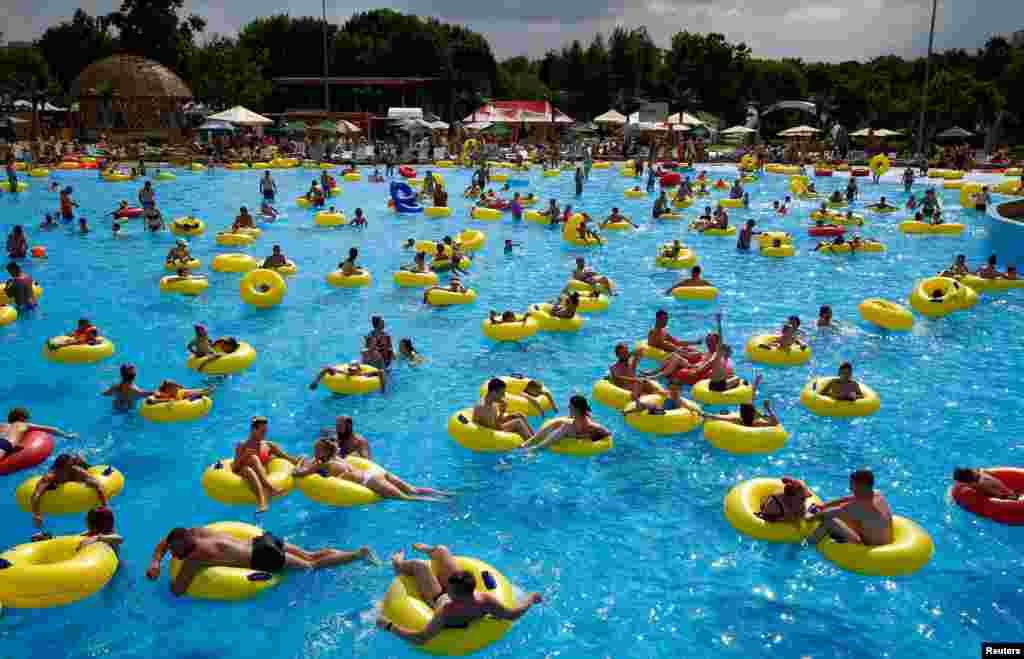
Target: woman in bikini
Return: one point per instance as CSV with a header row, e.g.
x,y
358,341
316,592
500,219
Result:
x,y
788,506
580,426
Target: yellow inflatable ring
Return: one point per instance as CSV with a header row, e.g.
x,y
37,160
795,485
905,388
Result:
x,y
695,293
910,550
353,385
551,173
879,164
516,400
188,226
220,363
39,172
825,406
730,203
404,606
437,211
593,304
634,194
882,210
54,572
71,498
222,484
407,279
471,239
173,411
166,176
618,225
252,232
338,279
887,315
954,297
469,435
748,162
685,202
778,252
745,499
334,491
37,292
233,263
687,258
580,448
584,287
482,213
329,219
836,204
197,167
601,164
353,176
229,239
944,229
614,396
768,237
569,233
289,269
548,323
516,331
759,351
649,352
116,178
442,298
744,440
262,288
229,583
174,266
78,354
738,395
728,231
192,286
8,315
21,186
671,422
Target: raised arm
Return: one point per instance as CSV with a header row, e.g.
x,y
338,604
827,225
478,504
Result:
x,y
306,468
52,430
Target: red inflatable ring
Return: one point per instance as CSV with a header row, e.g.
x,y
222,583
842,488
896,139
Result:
x,y
129,212
828,230
670,179
36,446
997,510
406,171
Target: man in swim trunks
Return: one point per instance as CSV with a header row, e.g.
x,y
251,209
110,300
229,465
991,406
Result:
x,y
249,467
66,468
746,234
276,259
67,205
623,373
658,337
989,270
12,433
154,219
492,412
864,518
786,339
200,547
985,484
268,188
660,205
349,442
566,306
126,392
588,276
694,280
844,387
451,593
20,289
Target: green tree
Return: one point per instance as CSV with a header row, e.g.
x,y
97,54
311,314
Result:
x,y
91,39
228,73
25,75
155,29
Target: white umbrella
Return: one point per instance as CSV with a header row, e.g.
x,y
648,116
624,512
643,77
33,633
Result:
x,y
881,132
347,127
799,131
610,117
738,130
241,116
684,118
438,125
478,125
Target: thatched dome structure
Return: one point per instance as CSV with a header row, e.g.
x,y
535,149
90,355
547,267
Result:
x,y
128,94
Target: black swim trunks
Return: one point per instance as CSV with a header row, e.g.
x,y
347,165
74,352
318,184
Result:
x,y
268,554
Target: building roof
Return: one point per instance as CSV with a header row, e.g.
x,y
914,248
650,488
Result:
x,y
130,75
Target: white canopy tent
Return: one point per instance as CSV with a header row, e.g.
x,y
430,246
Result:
x,y
881,132
684,118
405,113
241,116
610,117
738,130
799,131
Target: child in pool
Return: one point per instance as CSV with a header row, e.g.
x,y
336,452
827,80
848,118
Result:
x,y
360,220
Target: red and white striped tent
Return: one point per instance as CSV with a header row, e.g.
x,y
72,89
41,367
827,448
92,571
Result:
x,y
516,112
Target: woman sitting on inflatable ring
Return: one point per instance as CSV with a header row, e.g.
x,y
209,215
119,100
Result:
x,y
580,426
201,346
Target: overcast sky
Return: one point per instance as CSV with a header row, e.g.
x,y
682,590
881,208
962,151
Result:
x,y
810,29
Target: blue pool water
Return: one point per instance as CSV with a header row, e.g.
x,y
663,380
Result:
x,y
630,550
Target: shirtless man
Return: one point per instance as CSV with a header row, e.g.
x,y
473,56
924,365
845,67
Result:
x,y
694,280
958,268
201,547
615,217
126,392
12,433
985,484
787,338
588,276
623,374
179,252
276,259
492,412
20,289
746,234
843,387
248,466
864,518
349,442
328,462
580,426
66,468
659,337
989,270
348,267
451,593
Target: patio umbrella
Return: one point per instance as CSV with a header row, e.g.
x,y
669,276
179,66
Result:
x,y
610,117
217,126
799,131
241,116
954,133
348,127
684,118
738,130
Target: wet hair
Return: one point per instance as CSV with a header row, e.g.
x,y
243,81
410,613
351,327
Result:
x,y
965,475
695,272
495,385
63,461
377,320
13,269
100,520
846,365
580,404
863,477
992,260
127,372
17,414
181,535
747,414
462,583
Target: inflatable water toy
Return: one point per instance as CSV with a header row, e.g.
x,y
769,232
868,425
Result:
x,y
576,447
768,237
190,264
192,286
634,194
174,411
728,231
8,315
665,422
782,251
879,164
407,279
614,396
825,231
36,447
469,435
222,484
570,233
483,213
910,550
936,297
404,198
404,606
115,177
329,219
592,304
54,572
696,293
548,323
21,186
887,315
1004,511
514,331
188,226
339,279
443,298
744,440
702,393
130,212
686,258
761,349
229,239
74,497
83,353
437,211
224,363
166,176
944,229
228,583
262,288
365,382
289,269
517,401
339,492
821,405
836,204
730,203
744,501
881,210
233,263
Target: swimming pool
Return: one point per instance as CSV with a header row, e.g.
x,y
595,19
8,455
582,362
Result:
x,y
630,549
